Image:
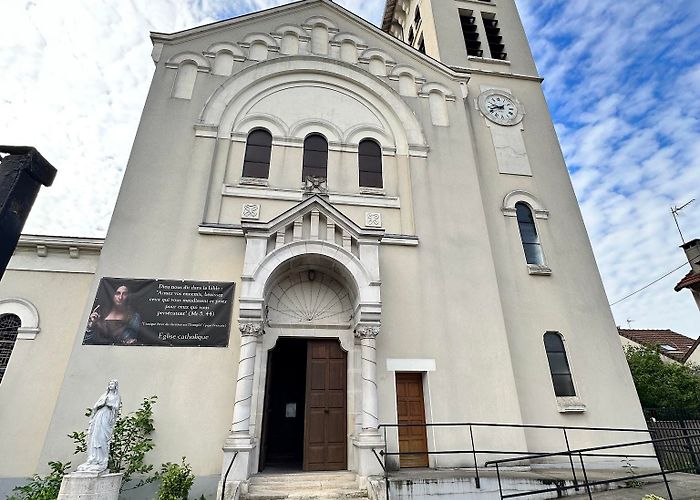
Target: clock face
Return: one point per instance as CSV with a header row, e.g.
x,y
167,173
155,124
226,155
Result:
x,y
500,108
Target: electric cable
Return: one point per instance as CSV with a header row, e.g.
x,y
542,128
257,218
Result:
x,y
647,286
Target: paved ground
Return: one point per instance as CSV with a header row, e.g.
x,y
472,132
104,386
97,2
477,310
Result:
x,y
683,487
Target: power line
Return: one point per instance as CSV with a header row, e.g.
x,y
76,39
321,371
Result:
x,y
647,286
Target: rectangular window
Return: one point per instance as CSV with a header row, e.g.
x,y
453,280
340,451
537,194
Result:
x,y
411,36
493,36
421,45
471,35
417,19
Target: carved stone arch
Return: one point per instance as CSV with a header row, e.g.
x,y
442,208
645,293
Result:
x,y
230,102
301,129
529,199
403,69
229,47
430,87
321,20
370,53
198,59
27,313
345,36
259,45
367,291
263,37
290,28
273,124
356,134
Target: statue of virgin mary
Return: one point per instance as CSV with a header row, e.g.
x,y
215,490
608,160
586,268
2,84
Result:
x,y
102,420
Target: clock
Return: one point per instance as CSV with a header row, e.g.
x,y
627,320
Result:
x,y
501,107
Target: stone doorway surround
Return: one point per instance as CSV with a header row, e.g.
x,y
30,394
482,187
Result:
x,y
311,235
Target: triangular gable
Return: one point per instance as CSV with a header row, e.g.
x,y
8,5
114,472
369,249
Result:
x,y
179,36
312,203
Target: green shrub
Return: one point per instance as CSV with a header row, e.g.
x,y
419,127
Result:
x,y
130,443
43,488
176,481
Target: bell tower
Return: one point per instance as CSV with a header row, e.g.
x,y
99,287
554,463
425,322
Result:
x,y
474,34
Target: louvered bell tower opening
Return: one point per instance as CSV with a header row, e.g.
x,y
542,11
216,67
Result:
x,y
494,37
471,34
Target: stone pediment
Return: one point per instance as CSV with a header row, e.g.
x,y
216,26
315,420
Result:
x,y
304,221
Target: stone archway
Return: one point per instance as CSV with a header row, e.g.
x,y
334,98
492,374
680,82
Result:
x,y
275,255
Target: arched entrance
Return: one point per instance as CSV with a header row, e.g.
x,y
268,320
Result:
x,y
304,419
311,275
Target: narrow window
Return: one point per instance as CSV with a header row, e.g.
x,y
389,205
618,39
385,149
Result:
x,y
493,36
411,36
370,158
315,157
528,235
257,154
9,324
558,365
471,36
421,45
417,18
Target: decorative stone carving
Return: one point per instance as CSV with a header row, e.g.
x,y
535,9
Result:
x,y
102,420
373,219
250,211
367,332
250,329
315,185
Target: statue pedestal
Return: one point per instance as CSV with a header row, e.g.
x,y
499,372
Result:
x,y
90,486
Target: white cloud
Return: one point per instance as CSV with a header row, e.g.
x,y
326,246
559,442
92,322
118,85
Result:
x,y
622,81
621,78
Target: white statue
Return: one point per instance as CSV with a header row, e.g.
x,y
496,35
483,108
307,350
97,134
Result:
x,y
102,420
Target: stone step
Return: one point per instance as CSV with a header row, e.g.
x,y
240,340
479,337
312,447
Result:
x,y
304,486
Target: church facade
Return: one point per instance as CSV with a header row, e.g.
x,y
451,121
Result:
x,y
393,210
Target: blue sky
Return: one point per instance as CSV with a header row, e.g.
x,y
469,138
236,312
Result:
x,y
622,80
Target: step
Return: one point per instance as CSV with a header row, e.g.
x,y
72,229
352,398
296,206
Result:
x,y
304,486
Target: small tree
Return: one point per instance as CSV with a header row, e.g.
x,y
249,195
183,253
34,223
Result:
x,y
663,385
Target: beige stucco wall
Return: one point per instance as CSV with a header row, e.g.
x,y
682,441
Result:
x,y
462,297
57,286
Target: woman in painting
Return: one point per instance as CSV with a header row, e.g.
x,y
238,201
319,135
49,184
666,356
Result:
x,y
119,326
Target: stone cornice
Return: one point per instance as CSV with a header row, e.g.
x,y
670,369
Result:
x,y
60,242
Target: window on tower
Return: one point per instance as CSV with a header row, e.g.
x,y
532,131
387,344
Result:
x,y
9,327
528,234
421,45
411,36
471,35
558,365
315,157
258,148
370,160
493,36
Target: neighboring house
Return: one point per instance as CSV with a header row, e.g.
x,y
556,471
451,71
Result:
x,y
402,233
673,346
691,281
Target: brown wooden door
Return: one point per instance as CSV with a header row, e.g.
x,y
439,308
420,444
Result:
x,y
325,432
411,409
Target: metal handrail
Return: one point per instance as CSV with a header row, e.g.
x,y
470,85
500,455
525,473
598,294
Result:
x,y
530,455
584,452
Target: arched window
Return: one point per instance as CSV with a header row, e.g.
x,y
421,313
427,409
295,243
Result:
x,y
528,235
370,159
9,325
558,365
315,157
257,154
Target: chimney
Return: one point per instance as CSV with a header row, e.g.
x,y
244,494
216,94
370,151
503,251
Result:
x,y
692,252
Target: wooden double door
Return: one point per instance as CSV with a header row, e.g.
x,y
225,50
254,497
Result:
x,y
305,420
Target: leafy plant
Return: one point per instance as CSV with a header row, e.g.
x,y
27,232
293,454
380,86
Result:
x,y
176,481
631,471
43,488
130,443
663,385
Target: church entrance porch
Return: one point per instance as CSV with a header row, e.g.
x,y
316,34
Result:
x,y
305,416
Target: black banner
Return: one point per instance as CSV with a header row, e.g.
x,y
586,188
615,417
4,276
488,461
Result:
x,y
160,313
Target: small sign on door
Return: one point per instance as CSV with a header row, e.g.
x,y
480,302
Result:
x,y
291,410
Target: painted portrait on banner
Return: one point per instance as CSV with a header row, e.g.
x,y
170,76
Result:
x,y
151,312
